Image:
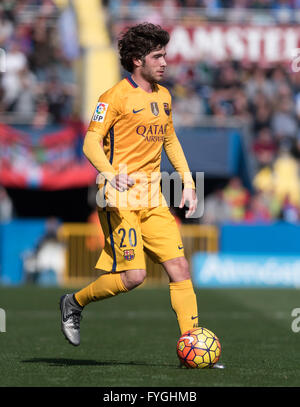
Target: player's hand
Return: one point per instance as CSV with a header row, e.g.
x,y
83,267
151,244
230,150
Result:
x,y
189,196
122,182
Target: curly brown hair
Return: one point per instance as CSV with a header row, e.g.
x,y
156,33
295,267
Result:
x,y
138,41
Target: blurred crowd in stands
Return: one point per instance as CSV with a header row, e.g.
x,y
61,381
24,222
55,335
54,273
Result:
x,y
268,100
209,4
38,85
162,11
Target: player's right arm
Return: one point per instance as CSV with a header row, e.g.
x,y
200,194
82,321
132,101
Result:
x,y
105,116
93,151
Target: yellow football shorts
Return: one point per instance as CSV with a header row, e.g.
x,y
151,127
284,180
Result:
x,y
129,234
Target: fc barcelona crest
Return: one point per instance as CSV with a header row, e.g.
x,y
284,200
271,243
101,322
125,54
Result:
x,y
167,109
129,254
154,108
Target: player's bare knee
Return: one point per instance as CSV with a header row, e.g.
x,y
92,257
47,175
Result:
x,y
134,278
184,268
178,269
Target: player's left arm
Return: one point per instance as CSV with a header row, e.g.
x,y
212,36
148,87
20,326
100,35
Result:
x,y
189,195
177,158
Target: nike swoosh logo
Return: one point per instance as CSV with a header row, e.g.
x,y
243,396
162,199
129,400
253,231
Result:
x,y
188,337
136,111
194,317
180,247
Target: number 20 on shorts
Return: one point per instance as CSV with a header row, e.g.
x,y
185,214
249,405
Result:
x,y
132,238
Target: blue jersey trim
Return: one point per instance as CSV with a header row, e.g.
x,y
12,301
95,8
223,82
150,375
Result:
x,y
112,243
111,157
129,78
112,143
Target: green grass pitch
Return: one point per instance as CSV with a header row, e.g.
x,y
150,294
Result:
x,y
130,340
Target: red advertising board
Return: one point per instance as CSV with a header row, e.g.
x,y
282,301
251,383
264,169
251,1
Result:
x,y
259,44
255,44
47,161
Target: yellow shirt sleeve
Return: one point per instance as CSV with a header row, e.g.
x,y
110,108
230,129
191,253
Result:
x,y
107,112
93,151
176,156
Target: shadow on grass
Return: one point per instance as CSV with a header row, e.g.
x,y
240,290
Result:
x,y
88,362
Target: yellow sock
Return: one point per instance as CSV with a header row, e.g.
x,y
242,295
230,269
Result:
x,y
184,304
107,285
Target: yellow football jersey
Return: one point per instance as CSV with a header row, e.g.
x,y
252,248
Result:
x,y
134,126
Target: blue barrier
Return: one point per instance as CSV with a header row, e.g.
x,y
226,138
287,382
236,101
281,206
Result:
x,y
257,255
16,238
234,270
279,238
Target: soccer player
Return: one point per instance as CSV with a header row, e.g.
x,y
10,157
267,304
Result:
x,y
133,120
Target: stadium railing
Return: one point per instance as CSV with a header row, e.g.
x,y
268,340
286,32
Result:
x,y
83,246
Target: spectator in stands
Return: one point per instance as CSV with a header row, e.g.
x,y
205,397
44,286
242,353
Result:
x,y
289,211
280,79
216,209
261,110
24,105
188,109
241,107
295,150
271,202
237,197
226,76
283,10
22,35
15,63
263,180
258,83
286,178
281,179
6,29
264,147
42,55
42,116
294,80
47,259
6,206
284,123
56,98
257,210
